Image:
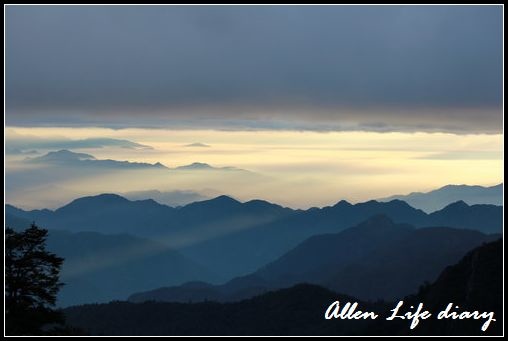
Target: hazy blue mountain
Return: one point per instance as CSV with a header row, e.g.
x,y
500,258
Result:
x,y
170,198
318,256
474,283
481,217
398,268
105,213
71,159
111,213
16,223
100,268
375,259
61,156
68,158
200,166
439,198
234,238
234,290
261,244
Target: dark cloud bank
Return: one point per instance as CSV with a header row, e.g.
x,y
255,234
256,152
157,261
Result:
x,y
409,68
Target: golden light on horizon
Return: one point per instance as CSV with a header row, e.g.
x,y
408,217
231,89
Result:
x,y
305,168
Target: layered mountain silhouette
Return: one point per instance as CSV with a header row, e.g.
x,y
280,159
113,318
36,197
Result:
x,y
100,268
474,283
376,259
441,197
233,238
71,159
261,244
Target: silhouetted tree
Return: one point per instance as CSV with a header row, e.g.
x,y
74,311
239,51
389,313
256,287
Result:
x,y
31,282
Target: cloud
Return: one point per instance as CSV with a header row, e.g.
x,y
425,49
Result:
x,y
374,68
464,155
22,144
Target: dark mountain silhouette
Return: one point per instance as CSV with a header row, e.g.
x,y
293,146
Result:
x,y
319,256
441,197
233,238
474,283
237,289
376,259
397,268
295,311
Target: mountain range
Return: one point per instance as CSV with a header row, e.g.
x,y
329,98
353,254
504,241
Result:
x,y
441,197
376,259
100,268
71,159
474,283
232,238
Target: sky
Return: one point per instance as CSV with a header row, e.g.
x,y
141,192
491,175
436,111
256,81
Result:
x,y
323,102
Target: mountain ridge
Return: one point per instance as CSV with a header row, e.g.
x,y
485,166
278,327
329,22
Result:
x,y
255,232
439,198
363,261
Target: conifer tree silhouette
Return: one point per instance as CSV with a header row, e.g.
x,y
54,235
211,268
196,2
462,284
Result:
x,y
31,282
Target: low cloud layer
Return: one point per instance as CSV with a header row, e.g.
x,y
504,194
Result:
x,y
374,68
23,144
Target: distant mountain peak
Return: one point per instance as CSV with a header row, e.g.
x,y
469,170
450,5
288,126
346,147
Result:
x,y
68,158
343,203
160,165
197,144
460,204
439,198
104,198
222,201
63,155
205,166
224,198
196,165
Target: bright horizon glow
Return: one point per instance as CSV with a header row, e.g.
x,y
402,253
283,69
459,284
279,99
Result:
x,y
300,169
